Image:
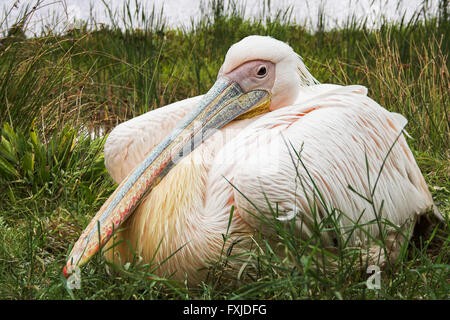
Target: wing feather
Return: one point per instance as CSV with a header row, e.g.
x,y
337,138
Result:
x,y
352,152
129,142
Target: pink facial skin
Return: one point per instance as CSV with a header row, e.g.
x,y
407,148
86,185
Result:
x,y
255,74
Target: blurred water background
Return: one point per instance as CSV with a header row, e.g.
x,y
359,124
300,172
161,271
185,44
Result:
x,y
61,15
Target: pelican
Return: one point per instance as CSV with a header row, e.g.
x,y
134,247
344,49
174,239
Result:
x,y
184,168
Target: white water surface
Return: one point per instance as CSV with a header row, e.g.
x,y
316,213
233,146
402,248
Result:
x,y
63,14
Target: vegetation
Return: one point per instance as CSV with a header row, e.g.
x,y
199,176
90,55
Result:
x,y
60,92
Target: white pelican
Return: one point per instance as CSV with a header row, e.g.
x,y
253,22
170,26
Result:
x,y
351,147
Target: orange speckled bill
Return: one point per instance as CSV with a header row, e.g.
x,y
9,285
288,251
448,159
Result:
x,y
223,103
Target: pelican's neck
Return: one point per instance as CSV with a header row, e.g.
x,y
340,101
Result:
x,y
176,220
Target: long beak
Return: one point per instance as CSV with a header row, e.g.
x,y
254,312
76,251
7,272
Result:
x,y
224,102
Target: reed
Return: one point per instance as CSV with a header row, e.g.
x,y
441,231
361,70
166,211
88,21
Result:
x,y
62,91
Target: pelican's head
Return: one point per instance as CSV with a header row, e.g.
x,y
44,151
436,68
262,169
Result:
x,y
262,62
259,74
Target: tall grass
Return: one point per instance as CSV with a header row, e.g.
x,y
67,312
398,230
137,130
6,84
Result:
x,y
57,87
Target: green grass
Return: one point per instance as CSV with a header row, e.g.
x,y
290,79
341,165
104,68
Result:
x,y
52,179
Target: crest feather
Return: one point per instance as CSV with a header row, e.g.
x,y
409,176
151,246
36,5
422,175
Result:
x,y
266,48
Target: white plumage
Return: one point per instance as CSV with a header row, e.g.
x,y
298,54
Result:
x,y
336,128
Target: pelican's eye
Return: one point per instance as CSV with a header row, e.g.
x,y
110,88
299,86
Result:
x,y
262,71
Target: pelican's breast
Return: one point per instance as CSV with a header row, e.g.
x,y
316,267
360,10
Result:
x,y
160,224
